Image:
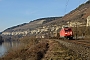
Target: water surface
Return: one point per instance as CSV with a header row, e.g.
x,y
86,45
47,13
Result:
x,y
6,46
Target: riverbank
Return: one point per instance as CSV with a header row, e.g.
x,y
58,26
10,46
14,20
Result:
x,y
1,40
32,49
40,49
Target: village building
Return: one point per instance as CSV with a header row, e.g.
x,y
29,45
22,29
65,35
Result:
x,y
74,24
88,21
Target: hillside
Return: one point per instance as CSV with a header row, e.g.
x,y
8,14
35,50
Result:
x,y
51,24
31,25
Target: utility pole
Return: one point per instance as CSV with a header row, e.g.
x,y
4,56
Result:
x,y
49,33
76,30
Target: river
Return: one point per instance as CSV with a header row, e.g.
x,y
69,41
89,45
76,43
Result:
x,y
4,47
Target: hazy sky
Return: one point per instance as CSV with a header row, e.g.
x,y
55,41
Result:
x,y
14,12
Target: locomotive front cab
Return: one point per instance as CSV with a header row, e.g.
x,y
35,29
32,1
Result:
x,y
68,33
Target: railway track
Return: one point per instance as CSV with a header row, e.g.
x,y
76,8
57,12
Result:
x,y
82,42
81,47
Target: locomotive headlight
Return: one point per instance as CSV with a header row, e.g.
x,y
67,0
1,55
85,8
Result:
x,y
65,33
70,32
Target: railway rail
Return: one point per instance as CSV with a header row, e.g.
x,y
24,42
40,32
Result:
x,y
82,42
81,47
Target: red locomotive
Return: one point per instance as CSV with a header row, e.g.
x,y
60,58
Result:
x,y
66,32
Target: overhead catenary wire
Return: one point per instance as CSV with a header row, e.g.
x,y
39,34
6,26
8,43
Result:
x,y
66,6
67,1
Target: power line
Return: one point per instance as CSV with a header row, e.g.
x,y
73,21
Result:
x,y
67,1
66,6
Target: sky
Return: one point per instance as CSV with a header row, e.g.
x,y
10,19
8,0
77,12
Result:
x,y
15,12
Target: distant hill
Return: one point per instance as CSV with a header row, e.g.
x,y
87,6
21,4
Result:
x,y
32,24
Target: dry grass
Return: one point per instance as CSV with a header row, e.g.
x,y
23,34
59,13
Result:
x,y
37,49
29,51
